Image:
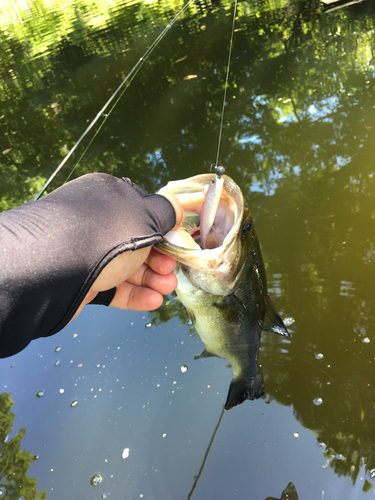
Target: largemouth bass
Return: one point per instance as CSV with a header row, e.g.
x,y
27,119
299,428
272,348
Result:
x,y
224,286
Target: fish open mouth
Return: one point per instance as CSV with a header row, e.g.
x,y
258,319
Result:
x,y
191,193
216,267
189,235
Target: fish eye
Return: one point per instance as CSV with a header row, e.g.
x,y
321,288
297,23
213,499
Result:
x,y
247,227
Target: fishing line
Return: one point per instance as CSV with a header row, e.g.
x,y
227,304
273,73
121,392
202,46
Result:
x,y
122,87
196,478
226,83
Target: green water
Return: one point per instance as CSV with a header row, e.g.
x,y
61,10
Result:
x,y
298,137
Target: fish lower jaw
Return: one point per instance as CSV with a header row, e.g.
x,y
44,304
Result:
x,y
219,283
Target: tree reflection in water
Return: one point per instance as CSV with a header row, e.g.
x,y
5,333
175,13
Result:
x,y
14,460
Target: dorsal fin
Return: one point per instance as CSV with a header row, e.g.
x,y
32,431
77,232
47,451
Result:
x,y
272,321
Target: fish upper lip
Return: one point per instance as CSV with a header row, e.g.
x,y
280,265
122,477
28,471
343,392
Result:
x,y
189,194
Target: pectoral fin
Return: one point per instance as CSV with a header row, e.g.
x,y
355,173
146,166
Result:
x,y
232,308
191,316
272,321
204,354
172,301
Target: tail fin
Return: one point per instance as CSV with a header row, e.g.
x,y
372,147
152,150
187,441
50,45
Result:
x,y
242,388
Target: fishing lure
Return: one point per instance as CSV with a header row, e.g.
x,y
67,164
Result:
x,y
210,204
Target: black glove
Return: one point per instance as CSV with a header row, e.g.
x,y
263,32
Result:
x,y
53,249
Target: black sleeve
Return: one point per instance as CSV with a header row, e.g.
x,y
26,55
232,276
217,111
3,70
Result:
x,y
53,249
104,298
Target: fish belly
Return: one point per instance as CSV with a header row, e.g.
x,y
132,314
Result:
x,y
205,317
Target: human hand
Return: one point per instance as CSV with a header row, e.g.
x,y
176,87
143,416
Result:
x,y
94,234
141,279
143,290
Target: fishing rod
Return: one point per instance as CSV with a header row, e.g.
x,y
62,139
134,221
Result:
x,y
118,92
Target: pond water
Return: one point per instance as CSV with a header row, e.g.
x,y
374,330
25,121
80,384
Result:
x,y
119,415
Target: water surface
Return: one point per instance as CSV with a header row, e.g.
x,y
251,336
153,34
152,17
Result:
x,y
298,139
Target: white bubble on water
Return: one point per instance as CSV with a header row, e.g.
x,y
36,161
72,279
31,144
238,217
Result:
x,y
366,340
318,401
289,321
97,479
40,394
148,325
319,355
